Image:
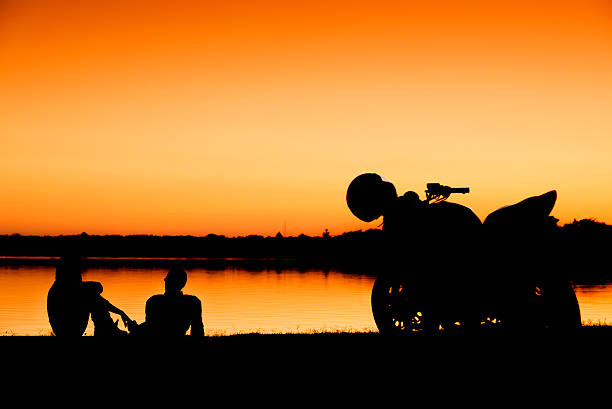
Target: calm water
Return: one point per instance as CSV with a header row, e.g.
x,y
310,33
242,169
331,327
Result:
x,y
234,300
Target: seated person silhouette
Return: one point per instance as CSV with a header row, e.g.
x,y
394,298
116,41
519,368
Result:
x,y
71,300
171,313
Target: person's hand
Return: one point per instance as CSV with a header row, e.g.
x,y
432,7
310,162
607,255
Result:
x,y
126,320
131,325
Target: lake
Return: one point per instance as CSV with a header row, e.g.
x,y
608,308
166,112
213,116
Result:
x,y
235,300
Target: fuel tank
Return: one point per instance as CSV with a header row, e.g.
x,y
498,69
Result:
x,y
420,236
441,219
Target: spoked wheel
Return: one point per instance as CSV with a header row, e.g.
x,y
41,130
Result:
x,y
539,304
554,305
397,309
491,320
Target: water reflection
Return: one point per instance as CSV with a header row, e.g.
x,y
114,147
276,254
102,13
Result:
x,y
235,300
595,302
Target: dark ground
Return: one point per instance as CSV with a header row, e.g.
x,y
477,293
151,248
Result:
x,y
283,349
490,369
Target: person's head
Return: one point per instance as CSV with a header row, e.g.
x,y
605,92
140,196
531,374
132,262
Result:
x,y
175,279
68,270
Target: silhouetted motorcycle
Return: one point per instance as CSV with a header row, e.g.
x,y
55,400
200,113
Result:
x,y
442,269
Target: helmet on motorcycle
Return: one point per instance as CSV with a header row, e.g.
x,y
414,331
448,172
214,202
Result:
x,y
368,195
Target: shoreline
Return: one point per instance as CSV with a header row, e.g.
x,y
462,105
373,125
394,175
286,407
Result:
x,y
314,357
584,330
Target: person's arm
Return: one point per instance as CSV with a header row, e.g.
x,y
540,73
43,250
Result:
x,y
93,287
110,307
197,326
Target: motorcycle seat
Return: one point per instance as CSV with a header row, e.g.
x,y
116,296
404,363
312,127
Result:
x,y
523,213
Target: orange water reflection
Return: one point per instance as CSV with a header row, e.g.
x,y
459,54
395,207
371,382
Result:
x,y
595,303
234,300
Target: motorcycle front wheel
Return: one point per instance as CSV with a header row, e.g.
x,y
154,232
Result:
x,y
397,309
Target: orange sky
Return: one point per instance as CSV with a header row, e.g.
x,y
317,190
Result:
x,y
234,117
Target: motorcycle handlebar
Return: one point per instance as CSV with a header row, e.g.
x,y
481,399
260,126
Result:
x,y
438,189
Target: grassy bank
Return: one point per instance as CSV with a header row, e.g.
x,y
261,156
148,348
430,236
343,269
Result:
x,y
587,331
307,363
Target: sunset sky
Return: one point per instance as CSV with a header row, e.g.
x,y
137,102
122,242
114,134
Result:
x,y
241,117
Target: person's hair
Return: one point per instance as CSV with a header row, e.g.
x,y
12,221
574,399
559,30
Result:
x,y
177,276
68,269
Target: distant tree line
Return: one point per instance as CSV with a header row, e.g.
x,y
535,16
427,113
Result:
x,y
209,246
588,237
